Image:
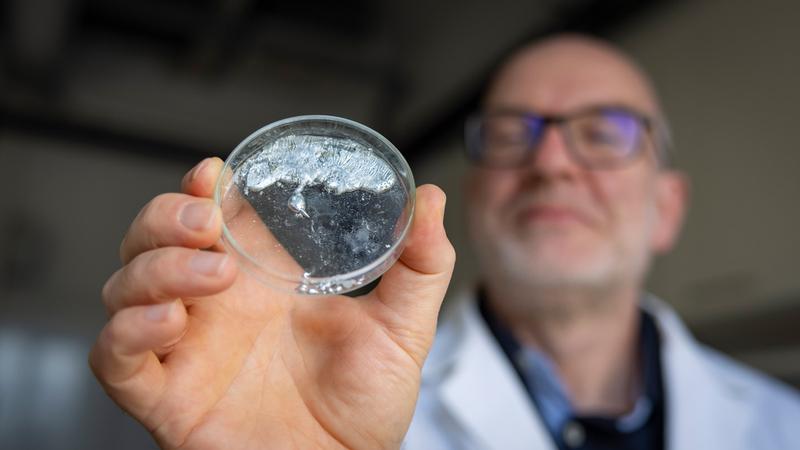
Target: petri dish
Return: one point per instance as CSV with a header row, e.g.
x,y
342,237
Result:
x,y
316,205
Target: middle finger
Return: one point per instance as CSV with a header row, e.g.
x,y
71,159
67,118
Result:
x,y
165,274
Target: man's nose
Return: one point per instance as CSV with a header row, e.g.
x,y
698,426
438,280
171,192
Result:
x,y
551,157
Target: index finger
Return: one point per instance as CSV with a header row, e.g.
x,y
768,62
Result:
x,y
201,180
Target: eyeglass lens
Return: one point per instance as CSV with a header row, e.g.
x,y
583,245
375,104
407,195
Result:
x,y
597,138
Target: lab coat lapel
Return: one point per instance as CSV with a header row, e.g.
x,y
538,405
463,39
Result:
x,y
702,411
485,395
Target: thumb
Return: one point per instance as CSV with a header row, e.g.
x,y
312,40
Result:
x,y
408,298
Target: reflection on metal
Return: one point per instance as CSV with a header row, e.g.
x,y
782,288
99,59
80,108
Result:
x,y
340,165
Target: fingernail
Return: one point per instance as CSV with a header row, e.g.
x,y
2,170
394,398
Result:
x,y
158,313
197,216
208,263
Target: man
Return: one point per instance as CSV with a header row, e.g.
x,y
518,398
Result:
x,y
570,199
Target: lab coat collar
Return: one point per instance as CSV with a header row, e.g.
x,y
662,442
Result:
x,y
703,410
481,391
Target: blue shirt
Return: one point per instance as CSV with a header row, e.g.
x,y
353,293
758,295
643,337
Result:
x,y
642,428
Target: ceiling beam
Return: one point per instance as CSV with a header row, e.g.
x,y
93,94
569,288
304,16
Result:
x,y
599,17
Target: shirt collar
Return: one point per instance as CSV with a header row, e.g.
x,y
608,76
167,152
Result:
x,y
547,391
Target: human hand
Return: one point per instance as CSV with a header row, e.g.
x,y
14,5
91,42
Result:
x,y
206,357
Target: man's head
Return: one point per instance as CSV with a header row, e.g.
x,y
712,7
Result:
x,y
551,221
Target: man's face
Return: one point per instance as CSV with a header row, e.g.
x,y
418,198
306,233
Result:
x,y
551,222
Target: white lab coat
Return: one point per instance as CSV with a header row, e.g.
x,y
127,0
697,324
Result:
x,y
471,398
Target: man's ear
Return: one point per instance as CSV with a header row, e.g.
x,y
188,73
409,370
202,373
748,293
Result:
x,y
672,199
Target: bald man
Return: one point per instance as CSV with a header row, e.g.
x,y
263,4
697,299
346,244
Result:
x,y
569,198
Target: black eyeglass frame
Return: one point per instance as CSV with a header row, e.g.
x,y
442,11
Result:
x,y
657,132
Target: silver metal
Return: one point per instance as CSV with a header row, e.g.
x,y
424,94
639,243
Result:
x,y
316,204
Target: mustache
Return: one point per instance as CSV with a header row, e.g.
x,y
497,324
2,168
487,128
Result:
x,y
555,201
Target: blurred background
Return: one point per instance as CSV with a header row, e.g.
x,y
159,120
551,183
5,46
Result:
x,y
106,103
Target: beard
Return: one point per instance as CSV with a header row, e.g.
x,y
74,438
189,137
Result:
x,y
540,284
563,263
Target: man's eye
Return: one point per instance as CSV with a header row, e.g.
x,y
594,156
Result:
x,y
602,137
503,137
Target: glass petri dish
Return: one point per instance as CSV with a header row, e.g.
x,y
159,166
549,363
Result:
x,y
316,205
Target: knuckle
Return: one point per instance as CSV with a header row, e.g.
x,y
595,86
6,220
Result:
x,y
109,337
93,361
136,279
123,247
140,232
157,262
112,339
154,213
158,222
147,273
108,289
451,255
151,271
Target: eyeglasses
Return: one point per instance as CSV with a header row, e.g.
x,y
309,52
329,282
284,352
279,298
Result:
x,y
596,138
